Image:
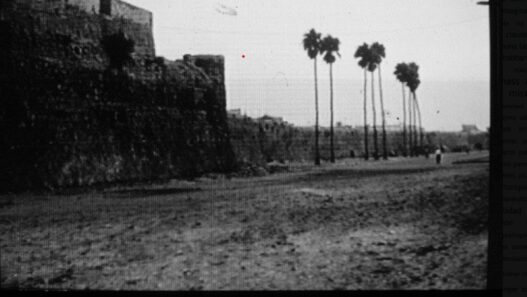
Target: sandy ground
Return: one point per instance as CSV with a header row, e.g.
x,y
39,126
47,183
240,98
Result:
x,y
397,224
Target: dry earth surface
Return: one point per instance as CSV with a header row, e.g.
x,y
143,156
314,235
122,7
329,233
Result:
x,y
397,224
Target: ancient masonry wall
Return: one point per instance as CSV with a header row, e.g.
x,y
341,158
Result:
x,y
90,6
124,10
260,143
255,142
56,6
118,16
67,120
115,8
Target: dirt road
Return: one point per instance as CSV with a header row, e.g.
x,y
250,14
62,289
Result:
x,y
354,225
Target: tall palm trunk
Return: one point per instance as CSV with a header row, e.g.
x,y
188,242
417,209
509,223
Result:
x,y
421,144
366,148
317,150
375,142
418,149
410,129
405,150
332,148
384,149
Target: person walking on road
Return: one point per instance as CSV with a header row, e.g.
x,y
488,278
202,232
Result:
x,y
438,156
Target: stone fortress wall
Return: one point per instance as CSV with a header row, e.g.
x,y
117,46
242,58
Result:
x,y
67,120
114,8
120,9
58,17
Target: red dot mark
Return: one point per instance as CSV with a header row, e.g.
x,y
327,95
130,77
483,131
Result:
x,y
243,56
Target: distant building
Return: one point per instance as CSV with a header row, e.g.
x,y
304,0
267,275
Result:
x,y
341,127
389,128
235,113
271,120
268,122
394,128
470,129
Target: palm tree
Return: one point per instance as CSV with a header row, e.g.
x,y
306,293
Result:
x,y
413,87
413,84
372,66
401,72
363,52
378,53
416,147
412,126
421,131
410,123
330,47
312,44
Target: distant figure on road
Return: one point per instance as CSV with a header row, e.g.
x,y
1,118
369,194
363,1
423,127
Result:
x,y
438,156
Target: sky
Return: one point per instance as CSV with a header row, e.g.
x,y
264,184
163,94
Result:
x,y
268,71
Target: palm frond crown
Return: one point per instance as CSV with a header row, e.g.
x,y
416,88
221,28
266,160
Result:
x,y
330,47
372,66
378,50
377,53
312,43
363,52
414,84
413,80
401,72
